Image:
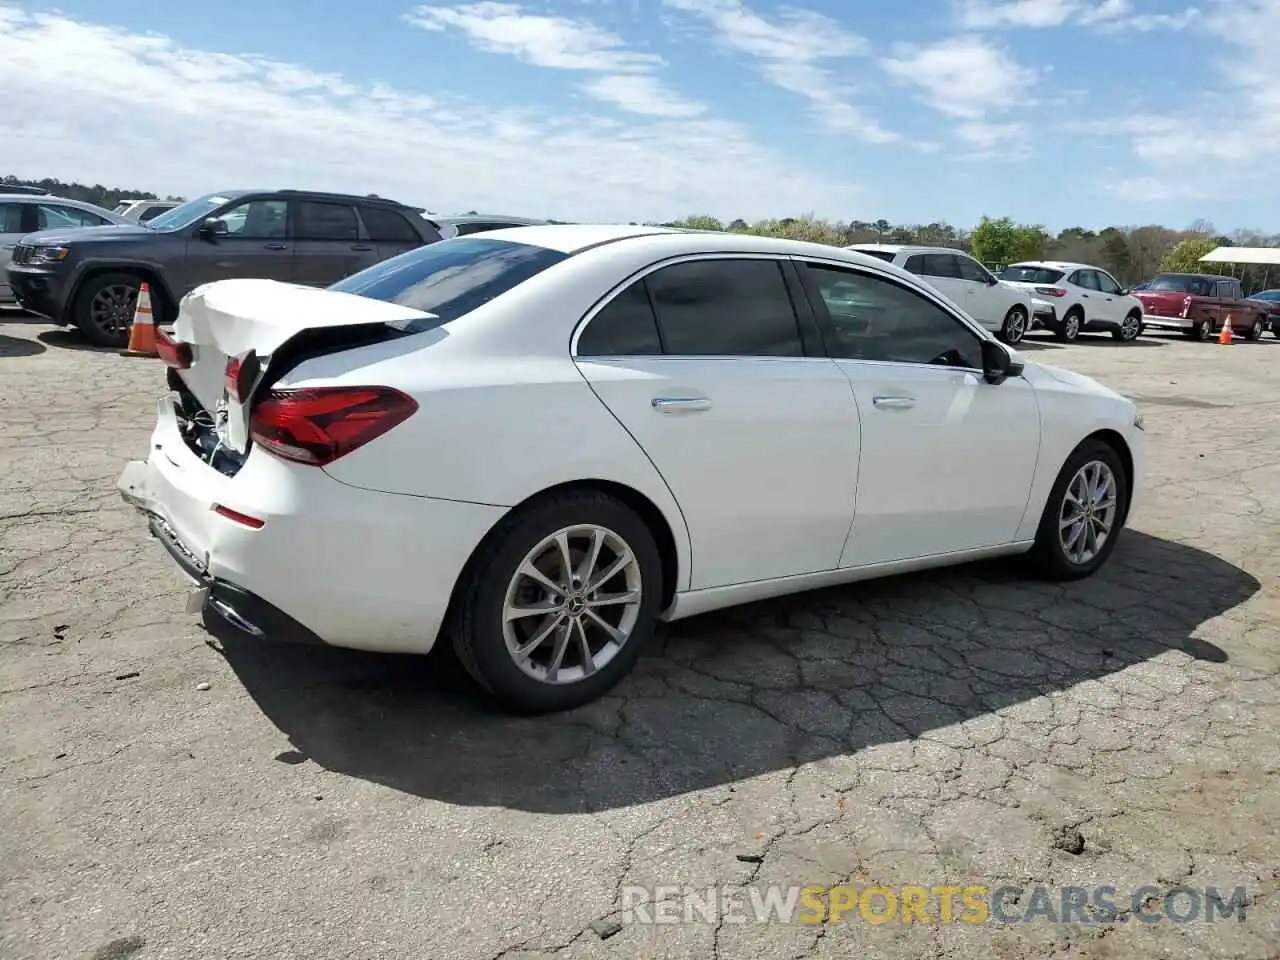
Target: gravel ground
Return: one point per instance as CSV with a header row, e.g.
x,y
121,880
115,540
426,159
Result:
x,y
172,790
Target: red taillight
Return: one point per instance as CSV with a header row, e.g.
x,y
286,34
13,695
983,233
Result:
x,y
1186,307
1051,291
318,425
174,353
253,523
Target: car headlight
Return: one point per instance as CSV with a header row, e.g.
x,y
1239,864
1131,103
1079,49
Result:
x,y
1139,422
48,254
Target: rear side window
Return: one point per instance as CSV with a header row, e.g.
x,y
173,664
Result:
x,y
626,327
941,265
11,218
327,221
1030,275
884,255
725,308
450,279
388,226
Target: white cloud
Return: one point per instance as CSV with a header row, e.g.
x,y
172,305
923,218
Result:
x,y
791,52
561,43
970,80
1106,15
107,105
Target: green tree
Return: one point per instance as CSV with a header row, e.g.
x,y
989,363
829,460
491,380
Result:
x,y
1003,241
698,221
1185,257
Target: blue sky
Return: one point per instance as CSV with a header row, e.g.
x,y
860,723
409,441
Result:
x,y
1060,112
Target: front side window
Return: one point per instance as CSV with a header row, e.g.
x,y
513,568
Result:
x,y
450,279
187,214
327,221
725,308
1107,282
256,220
876,319
970,270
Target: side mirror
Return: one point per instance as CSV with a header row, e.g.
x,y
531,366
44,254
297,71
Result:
x,y
992,279
998,364
213,227
1125,291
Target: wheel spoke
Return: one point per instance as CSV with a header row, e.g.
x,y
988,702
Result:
x,y
557,654
566,562
617,635
584,648
621,563
539,638
536,575
513,612
610,599
593,556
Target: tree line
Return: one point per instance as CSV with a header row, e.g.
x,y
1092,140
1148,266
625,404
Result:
x,y
1131,254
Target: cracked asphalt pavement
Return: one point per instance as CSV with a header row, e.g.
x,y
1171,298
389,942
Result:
x,y
171,790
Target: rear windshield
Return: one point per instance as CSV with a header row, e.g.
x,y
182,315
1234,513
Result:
x,y
1176,283
1030,275
450,278
884,255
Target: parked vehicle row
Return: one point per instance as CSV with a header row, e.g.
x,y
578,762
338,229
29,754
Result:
x,y
90,278
695,420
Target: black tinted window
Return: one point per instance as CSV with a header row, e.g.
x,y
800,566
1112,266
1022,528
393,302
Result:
x,y
327,221
625,327
969,270
915,264
11,218
151,213
727,308
941,265
451,278
884,255
464,229
1031,275
873,319
388,226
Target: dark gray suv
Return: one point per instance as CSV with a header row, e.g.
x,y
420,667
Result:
x,y
90,278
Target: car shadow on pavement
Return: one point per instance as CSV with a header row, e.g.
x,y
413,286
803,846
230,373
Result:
x,y
762,688
20,347
72,339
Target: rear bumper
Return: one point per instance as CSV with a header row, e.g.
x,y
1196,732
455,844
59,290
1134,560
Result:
x,y
37,291
331,563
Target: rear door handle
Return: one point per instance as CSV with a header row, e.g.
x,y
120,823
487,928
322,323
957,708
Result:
x,y
894,403
362,247
275,246
681,404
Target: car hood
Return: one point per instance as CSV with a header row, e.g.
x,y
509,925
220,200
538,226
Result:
x,y
1044,374
62,238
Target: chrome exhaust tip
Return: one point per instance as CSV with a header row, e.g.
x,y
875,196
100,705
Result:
x,y
228,613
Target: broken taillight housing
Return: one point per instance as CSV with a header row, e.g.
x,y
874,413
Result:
x,y
317,425
173,352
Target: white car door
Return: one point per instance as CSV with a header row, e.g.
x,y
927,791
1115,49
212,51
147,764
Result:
x,y
942,272
1115,303
985,300
947,458
702,362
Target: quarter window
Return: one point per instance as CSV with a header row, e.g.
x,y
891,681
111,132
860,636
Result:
x,y
327,221
387,226
875,319
726,308
626,327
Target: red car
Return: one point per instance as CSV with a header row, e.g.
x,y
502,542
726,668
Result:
x,y
1198,305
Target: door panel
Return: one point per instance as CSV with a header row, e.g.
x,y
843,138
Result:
x,y
942,272
947,460
256,245
760,453
329,245
983,300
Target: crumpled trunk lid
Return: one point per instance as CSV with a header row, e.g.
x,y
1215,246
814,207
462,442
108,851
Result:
x,y
239,329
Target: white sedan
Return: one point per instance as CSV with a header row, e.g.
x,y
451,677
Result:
x,y
537,442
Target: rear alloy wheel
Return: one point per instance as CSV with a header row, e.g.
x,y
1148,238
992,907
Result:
x,y
1015,326
1069,329
104,308
1129,329
1084,514
560,602
1255,332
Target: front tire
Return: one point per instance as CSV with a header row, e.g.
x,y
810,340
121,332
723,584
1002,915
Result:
x,y
1255,332
1129,329
1014,327
104,308
1202,331
1084,514
559,602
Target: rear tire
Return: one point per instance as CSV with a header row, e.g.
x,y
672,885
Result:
x,y
1056,554
1069,327
503,654
1202,331
104,306
1255,332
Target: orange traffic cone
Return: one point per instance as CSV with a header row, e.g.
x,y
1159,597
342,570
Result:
x,y
142,335
1225,335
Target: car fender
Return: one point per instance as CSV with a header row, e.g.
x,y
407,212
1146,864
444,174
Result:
x,y
91,265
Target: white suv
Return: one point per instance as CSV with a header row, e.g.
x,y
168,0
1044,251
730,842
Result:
x,y
1084,298
1002,308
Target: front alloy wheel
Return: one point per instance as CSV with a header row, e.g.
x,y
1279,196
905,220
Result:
x,y
1015,326
1088,512
1084,513
1130,328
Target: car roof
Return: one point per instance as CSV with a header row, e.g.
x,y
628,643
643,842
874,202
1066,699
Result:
x,y
904,248
49,198
1054,265
486,218
1198,276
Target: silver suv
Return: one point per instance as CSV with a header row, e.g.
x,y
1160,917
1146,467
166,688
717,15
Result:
x,y
23,213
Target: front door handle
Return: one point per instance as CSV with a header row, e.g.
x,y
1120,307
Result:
x,y
894,403
681,404
361,247
275,246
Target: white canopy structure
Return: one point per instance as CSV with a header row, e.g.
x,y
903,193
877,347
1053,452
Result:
x,y
1259,255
